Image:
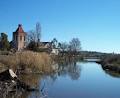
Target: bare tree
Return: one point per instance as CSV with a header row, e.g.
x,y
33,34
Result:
x,y
38,31
75,45
63,46
34,35
54,43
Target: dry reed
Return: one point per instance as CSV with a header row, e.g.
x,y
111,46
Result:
x,y
28,60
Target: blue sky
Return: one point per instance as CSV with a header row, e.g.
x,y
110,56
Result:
x,y
95,22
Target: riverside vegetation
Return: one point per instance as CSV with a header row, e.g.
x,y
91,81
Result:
x,y
111,62
27,61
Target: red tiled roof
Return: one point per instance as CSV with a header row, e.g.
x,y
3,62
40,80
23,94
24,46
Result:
x,y
19,29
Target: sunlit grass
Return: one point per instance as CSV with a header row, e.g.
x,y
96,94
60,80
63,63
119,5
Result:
x,y
28,60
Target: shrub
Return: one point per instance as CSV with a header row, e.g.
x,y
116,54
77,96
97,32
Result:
x,y
111,59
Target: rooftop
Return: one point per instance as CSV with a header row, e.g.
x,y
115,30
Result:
x,y
19,29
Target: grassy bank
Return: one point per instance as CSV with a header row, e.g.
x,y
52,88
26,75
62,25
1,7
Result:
x,y
28,61
111,60
111,63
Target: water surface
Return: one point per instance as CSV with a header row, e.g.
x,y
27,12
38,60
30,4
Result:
x,y
83,80
75,80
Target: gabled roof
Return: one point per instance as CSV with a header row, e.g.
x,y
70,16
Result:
x,y
19,29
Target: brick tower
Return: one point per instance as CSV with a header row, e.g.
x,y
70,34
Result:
x,y
19,38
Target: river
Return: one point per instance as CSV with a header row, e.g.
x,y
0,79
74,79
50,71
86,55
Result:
x,y
74,80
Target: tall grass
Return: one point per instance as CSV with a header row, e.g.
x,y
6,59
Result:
x,y
28,60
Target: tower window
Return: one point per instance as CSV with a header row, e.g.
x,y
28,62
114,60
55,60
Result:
x,y
16,38
24,38
20,38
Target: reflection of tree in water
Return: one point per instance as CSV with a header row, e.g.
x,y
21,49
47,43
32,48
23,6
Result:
x,y
34,80
69,68
115,74
31,79
74,71
54,76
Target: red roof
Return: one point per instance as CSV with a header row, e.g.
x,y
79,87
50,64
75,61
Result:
x,y
19,29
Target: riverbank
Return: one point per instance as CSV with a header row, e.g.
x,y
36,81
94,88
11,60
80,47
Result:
x,y
67,57
27,62
111,62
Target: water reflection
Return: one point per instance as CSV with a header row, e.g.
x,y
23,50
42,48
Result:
x,y
114,74
31,79
91,82
60,84
68,68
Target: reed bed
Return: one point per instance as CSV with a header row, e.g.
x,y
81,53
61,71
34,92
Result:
x,y
28,60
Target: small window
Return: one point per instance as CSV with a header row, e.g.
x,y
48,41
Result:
x,y
16,38
20,38
24,38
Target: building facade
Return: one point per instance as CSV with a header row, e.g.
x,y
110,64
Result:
x,y
19,38
48,47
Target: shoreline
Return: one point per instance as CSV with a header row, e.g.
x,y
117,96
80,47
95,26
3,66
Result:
x,y
109,66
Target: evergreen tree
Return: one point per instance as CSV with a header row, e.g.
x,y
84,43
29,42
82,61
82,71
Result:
x,y
4,43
